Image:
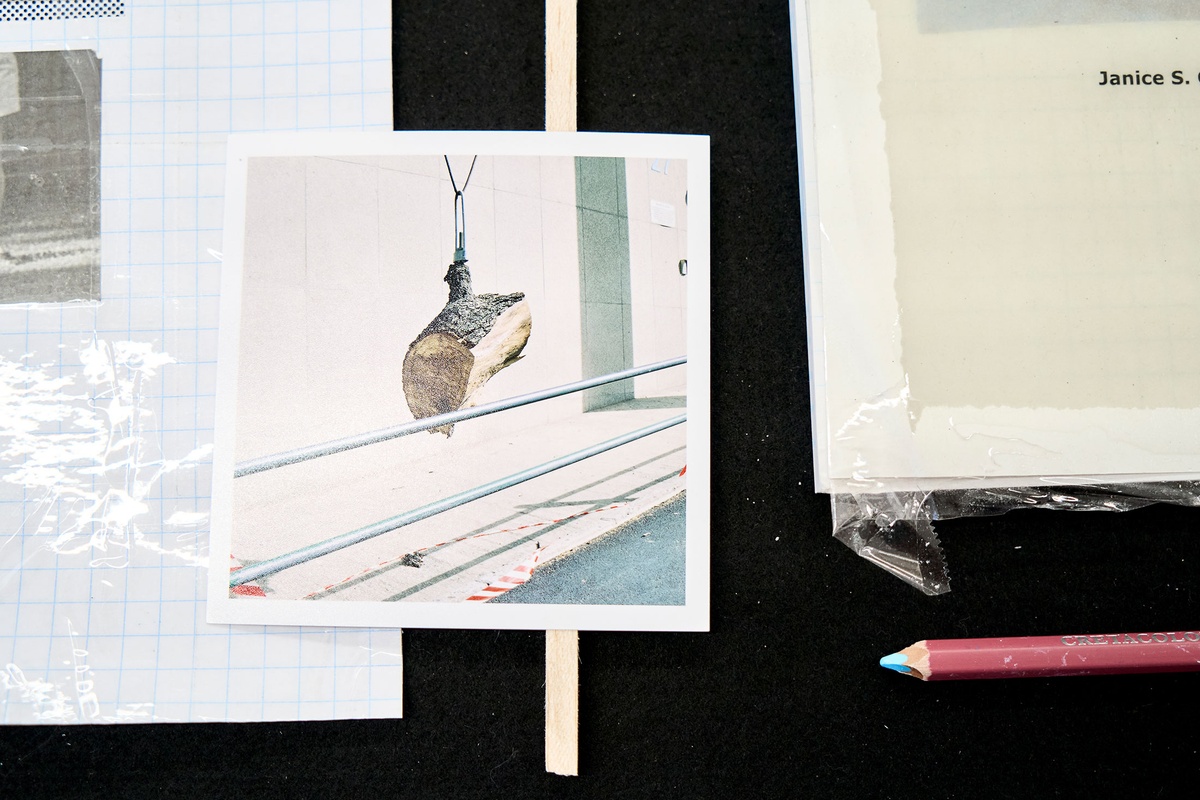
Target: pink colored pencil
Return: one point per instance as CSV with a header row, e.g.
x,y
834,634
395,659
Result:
x,y
1048,656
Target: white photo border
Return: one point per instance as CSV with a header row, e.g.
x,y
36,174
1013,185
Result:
x,y
693,615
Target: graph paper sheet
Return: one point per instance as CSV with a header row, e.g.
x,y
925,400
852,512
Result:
x,y
106,408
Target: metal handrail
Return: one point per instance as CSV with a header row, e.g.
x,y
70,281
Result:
x,y
373,437
304,554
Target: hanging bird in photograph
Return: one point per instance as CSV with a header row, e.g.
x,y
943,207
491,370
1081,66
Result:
x,y
472,338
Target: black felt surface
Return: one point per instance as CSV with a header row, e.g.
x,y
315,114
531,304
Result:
x,y
784,697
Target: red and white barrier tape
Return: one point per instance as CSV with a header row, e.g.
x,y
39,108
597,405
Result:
x,y
517,576
246,589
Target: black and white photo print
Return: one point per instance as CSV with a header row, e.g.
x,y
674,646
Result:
x,y
50,181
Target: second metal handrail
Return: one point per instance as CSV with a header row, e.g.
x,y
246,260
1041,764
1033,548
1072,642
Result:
x,y
304,554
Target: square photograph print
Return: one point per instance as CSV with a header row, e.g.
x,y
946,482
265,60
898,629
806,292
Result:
x,y
464,382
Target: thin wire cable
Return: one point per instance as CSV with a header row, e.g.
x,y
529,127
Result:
x,y
470,172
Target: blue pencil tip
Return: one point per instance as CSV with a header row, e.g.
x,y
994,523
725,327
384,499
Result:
x,y
896,661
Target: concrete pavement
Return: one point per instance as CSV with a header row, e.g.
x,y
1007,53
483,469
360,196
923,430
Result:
x,y
642,562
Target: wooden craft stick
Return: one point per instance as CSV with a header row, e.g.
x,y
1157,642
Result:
x,y
562,702
560,65
562,647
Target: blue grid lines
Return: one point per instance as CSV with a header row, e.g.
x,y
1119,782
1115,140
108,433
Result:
x,y
107,621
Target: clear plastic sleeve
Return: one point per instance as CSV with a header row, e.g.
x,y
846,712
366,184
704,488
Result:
x,y
1000,304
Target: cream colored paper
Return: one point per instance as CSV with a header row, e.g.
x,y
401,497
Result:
x,y
1008,258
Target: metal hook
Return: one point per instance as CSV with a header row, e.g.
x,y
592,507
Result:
x,y
460,227
460,210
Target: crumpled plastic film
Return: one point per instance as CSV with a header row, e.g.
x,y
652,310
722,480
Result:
x,y
105,468
895,530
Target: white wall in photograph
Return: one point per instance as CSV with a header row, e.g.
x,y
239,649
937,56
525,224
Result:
x,y
658,227
360,246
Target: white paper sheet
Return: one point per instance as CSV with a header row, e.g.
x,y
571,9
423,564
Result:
x,y
1004,276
